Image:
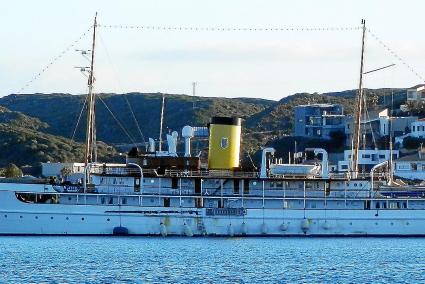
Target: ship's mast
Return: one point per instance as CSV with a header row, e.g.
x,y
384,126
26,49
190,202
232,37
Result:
x,y
355,143
91,151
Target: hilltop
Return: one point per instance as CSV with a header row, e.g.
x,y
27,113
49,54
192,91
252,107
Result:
x,y
40,127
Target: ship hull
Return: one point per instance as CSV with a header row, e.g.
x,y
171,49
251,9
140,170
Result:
x,y
18,218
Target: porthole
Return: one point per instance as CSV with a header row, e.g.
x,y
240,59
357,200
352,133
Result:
x,y
67,218
407,223
355,185
351,223
108,219
376,223
82,219
392,224
69,198
36,217
51,218
5,216
20,217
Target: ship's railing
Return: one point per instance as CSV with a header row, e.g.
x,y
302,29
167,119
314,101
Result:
x,y
211,173
121,171
133,171
141,201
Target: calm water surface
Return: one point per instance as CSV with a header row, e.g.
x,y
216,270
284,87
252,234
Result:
x,y
211,260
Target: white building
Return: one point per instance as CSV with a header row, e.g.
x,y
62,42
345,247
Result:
x,y
411,167
417,131
416,94
75,170
367,158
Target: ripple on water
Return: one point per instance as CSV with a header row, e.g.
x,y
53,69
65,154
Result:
x,y
215,260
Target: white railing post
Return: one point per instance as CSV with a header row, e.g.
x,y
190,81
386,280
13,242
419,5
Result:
x,y
141,174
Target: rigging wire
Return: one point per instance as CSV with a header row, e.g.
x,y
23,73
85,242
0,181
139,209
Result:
x,y
120,83
395,55
231,29
54,60
118,122
79,118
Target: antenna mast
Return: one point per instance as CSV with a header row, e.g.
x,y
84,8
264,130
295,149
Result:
x,y
193,94
355,143
91,152
160,124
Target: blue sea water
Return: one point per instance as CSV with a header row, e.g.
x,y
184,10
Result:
x,y
211,260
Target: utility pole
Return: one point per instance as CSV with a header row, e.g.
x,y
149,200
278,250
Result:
x,y
160,123
193,94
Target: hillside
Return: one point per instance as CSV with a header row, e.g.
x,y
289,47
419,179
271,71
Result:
x,y
36,127
61,111
22,143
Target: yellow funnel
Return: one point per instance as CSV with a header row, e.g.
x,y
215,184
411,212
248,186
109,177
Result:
x,y
224,144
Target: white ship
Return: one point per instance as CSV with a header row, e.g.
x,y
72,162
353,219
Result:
x,y
161,193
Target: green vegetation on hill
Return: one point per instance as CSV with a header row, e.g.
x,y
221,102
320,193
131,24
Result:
x,y
36,128
61,111
23,143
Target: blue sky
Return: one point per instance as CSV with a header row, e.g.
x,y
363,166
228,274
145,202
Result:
x,y
233,64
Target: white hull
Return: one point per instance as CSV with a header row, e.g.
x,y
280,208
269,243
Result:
x,y
18,218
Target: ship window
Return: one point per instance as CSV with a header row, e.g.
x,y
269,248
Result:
x,y
246,186
152,180
166,202
115,180
377,205
124,201
102,200
174,182
235,186
404,204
